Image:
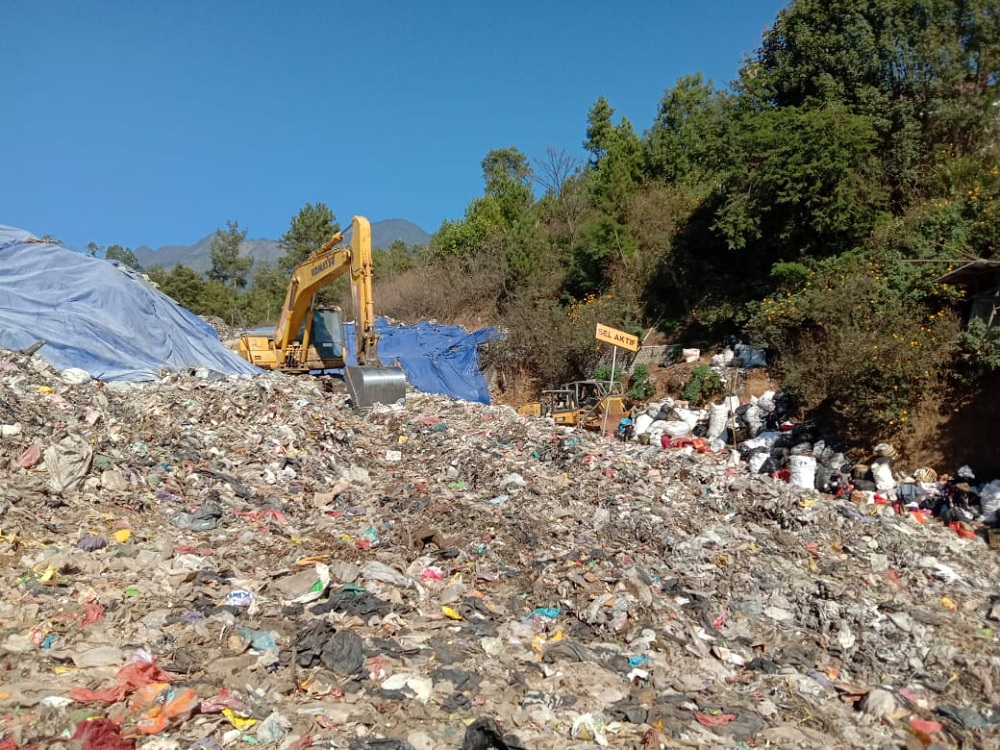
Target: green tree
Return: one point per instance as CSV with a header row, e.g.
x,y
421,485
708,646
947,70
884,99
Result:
x,y
228,267
184,285
507,176
123,255
600,130
262,302
309,229
921,70
395,259
220,300
800,182
687,131
94,250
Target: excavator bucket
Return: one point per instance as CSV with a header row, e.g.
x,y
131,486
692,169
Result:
x,y
370,385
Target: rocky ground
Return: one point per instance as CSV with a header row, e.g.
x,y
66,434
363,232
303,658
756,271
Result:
x,y
202,562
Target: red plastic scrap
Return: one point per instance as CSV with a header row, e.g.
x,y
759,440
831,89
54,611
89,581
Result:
x,y
92,612
925,726
101,734
31,456
133,675
8,745
718,720
264,515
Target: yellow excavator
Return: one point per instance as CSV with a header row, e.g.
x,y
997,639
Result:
x,y
310,337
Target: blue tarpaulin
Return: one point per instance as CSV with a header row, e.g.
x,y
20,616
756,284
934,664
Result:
x,y
436,358
104,318
99,317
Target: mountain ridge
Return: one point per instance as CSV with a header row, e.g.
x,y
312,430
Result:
x,y
198,256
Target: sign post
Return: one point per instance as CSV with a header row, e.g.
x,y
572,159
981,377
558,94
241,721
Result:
x,y
616,338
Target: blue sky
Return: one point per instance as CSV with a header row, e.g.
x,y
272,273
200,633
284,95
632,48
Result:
x,y
154,123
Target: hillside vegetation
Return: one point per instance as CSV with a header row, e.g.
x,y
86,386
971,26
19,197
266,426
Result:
x,y
808,207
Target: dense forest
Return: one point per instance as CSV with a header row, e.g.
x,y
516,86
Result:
x,y
810,207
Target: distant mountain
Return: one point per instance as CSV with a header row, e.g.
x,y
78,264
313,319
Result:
x,y
384,233
199,255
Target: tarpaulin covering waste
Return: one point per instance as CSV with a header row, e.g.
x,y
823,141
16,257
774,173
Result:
x,y
436,358
98,317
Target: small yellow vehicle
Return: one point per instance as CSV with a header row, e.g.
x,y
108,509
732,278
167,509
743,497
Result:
x,y
582,403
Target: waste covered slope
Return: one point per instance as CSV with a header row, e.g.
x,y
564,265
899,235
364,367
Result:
x,y
190,569
98,317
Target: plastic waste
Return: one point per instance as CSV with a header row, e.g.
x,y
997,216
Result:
x,y
802,471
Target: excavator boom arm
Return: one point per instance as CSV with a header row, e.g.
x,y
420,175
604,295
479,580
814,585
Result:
x,y
361,288
319,269
329,262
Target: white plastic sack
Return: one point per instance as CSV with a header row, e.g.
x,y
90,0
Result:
x,y
882,474
653,408
766,402
76,376
691,355
677,429
718,360
756,460
68,462
642,423
690,416
989,497
658,424
717,416
803,471
763,440
754,419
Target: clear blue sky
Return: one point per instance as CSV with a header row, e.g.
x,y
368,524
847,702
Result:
x,y
153,123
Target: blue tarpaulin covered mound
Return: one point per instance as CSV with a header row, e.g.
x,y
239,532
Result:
x,y
436,358
98,317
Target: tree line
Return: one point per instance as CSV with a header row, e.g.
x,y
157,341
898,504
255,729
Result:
x,y
809,206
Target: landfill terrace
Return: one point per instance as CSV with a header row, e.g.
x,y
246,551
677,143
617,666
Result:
x,y
227,561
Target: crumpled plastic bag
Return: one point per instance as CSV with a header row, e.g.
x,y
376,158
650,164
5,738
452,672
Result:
x,y
67,463
101,734
485,734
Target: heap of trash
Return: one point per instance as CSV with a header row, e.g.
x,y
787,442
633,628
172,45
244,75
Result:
x,y
767,442
232,561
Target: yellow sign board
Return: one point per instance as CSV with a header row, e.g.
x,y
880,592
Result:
x,y
618,338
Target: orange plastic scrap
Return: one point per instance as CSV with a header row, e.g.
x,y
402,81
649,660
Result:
x,y
154,705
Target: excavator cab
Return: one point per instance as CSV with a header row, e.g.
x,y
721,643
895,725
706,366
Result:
x,y
320,341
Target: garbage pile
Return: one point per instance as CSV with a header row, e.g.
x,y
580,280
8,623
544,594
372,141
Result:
x,y
232,561
768,442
